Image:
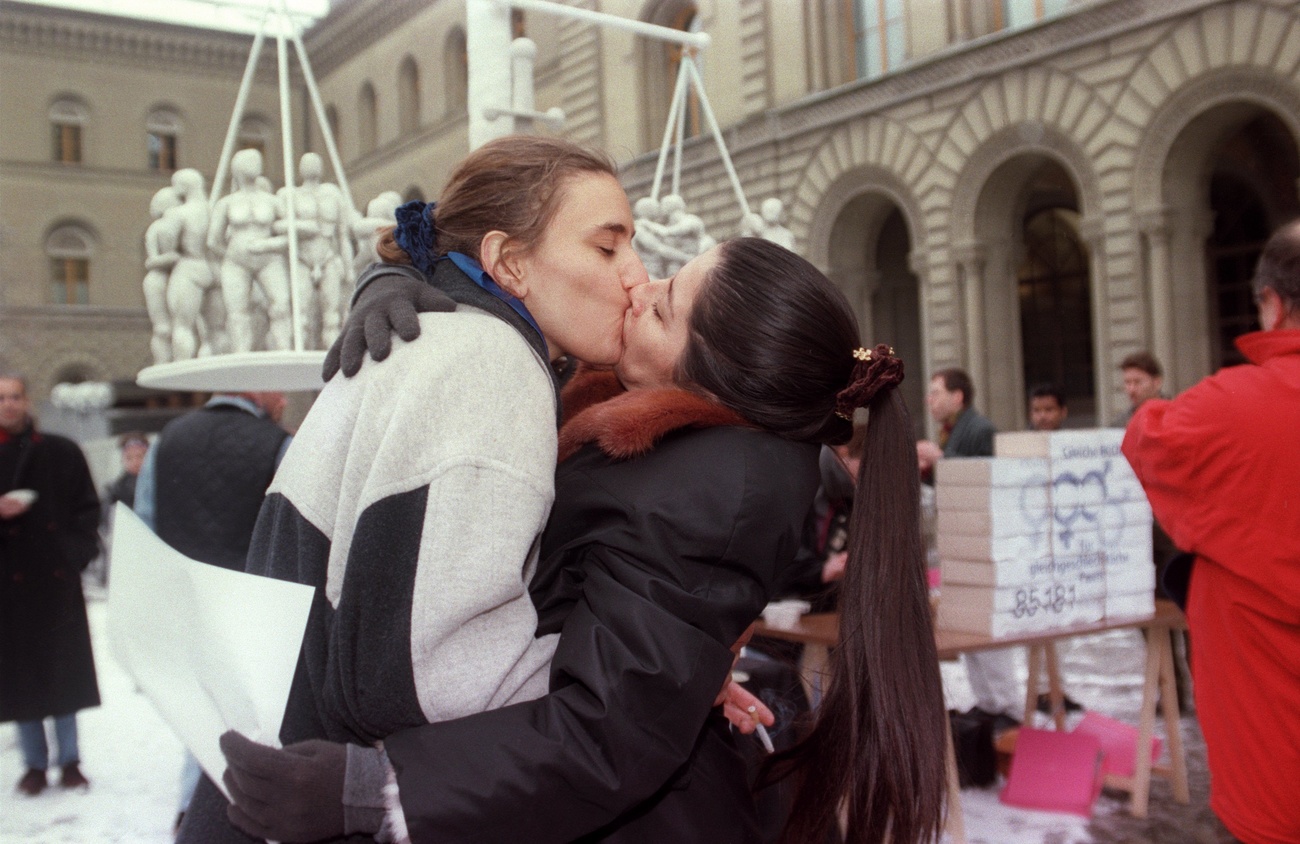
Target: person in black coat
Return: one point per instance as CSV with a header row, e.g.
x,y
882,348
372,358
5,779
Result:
x,y
49,533
679,503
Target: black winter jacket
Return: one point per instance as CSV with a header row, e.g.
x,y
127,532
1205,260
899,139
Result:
x,y
46,663
651,568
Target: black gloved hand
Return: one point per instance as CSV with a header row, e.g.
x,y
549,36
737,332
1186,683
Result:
x,y
388,304
294,794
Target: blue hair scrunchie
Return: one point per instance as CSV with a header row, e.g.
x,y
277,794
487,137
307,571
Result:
x,y
416,235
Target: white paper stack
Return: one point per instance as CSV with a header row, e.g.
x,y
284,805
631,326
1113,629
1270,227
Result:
x,y
1099,510
1054,531
995,551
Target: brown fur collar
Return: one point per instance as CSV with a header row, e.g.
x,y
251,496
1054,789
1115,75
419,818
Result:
x,y
625,423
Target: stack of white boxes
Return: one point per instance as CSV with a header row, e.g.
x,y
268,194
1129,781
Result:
x,y
1054,531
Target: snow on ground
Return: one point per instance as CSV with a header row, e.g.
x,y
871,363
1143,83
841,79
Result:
x,y
131,758
133,761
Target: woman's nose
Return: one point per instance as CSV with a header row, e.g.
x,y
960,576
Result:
x,y
640,294
634,272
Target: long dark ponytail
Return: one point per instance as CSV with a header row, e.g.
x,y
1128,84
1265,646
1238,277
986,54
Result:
x,y
876,750
775,341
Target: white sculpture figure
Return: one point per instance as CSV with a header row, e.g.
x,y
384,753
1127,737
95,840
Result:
x,y
160,243
772,209
241,236
650,240
192,277
683,232
654,242
751,225
380,212
321,216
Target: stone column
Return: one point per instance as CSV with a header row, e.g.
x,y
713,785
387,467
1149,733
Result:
x,y
870,285
1155,226
1092,230
918,260
970,259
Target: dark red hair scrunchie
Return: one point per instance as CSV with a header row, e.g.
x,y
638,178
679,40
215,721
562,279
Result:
x,y
876,370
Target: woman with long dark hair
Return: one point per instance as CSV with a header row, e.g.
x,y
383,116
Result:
x,y
684,480
414,495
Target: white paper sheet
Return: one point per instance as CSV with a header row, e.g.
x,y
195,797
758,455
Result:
x,y
213,649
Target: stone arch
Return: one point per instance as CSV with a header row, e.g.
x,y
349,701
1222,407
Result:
x,y
1030,108
866,241
1251,86
993,191
1176,162
1002,147
1254,46
864,154
62,365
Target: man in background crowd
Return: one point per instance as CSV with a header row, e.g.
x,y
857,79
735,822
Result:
x,y
133,447
49,533
1047,408
964,432
1220,465
1143,380
202,485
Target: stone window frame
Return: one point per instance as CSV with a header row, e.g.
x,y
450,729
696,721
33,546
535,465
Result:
x,y
879,22
409,111
70,248
69,116
367,118
163,128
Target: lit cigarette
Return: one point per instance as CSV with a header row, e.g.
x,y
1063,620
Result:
x,y
761,732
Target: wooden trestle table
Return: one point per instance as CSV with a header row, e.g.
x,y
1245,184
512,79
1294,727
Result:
x,y
819,632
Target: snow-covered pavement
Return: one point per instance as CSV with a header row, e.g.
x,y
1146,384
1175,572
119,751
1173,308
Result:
x,y
129,755
133,761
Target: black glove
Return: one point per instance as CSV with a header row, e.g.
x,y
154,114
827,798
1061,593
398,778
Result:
x,y
389,303
294,794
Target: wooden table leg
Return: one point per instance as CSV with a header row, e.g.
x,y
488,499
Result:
x,y
813,667
1169,703
955,823
1035,654
1146,723
1055,696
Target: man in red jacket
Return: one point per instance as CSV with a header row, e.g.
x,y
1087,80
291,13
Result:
x,y
1221,466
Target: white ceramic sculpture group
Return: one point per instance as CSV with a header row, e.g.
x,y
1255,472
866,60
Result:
x,y
218,280
667,235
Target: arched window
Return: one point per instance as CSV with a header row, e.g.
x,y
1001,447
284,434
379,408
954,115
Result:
x,y
455,66
408,95
67,117
1055,306
368,118
879,36
164,129
1018,13
255,133
69,248
660,62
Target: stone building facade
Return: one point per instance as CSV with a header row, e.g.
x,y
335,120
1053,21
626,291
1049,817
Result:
x,y
1029,189
96,112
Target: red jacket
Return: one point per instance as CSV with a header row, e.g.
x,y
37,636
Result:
x,y
1221,466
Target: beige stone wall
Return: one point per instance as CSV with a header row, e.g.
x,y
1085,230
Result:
x,y
1126,98
1103,91
121,70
